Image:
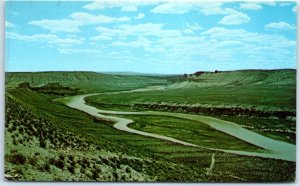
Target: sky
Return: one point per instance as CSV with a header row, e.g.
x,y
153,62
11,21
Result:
x,y
149,36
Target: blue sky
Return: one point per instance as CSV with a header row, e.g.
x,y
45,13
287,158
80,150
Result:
x,y
150,37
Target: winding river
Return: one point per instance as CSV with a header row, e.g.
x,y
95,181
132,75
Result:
x,y
274,148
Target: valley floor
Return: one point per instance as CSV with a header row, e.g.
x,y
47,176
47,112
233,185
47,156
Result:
x,y
46,140
153,159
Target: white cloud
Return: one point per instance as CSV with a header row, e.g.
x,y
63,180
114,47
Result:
x,y
14,13
125,5
62,25
294,9
256,48
129,9
251,6
216,44
51,39
219,33
101,37
74,21
9,24
140,16
172,8
140,42
280,26
65,42
235,18
194,26
99,5
284,4
214,8
37,37
86,19
270,3
211,8
188,31
81,51
147,29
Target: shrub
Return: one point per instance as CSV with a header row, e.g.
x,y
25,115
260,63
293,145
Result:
x,y
10,129
17,158
43,143
15,142
127,170
57,162
71,169
33,161
116,176
21,130
46,167
62,157
105,161
21,141
71,157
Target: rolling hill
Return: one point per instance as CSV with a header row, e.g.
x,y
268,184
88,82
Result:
x,y
86,81
238,78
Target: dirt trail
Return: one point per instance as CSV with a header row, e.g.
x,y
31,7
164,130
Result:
x,y
275,149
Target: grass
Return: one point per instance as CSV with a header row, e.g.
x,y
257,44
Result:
x,y
194,132
283,98
100,152
189,164
276,128
85,81
239,96
64,160
253,89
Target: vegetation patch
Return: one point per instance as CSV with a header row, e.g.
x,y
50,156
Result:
x,y
46,141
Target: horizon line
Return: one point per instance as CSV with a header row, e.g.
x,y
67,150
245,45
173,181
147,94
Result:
x,y
149,72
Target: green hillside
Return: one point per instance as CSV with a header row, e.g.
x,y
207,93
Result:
x,y
261,100
238,78
86,81
264,90
46,148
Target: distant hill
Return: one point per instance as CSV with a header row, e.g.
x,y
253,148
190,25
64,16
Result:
x,y
238,78
140,74
94,81
86,81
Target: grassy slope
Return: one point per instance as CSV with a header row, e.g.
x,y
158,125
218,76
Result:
x,y
265,90
70,145
36,149
255,88
86,81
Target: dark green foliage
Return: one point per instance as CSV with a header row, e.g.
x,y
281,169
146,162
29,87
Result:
x,y
33,161
71,169
57,162
46,167
16,158
55,88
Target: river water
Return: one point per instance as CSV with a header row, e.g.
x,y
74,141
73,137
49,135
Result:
x,y
274,148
